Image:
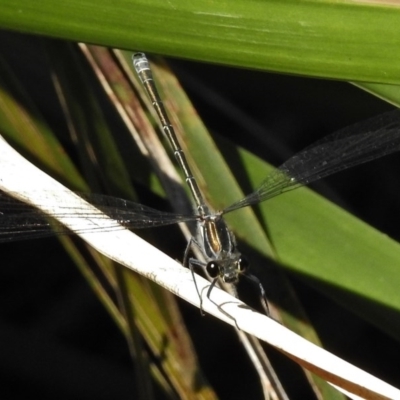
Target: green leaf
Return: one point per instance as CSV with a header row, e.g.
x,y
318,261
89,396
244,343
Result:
x,y
337,39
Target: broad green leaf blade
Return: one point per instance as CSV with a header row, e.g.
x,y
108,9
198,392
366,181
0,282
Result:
x,y
338,39
337,252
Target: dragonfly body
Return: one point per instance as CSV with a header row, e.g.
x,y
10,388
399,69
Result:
x,y
216,242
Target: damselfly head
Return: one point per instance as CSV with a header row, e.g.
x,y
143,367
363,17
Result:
x,y
228,267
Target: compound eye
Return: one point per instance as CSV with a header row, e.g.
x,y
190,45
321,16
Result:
x,y
212,269
243,264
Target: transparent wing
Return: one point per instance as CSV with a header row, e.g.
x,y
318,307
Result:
x,y
356,144
21,221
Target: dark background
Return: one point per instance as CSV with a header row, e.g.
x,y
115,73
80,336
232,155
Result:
x,y
56,340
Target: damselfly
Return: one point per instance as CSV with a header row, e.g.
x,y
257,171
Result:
x,y
351,146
